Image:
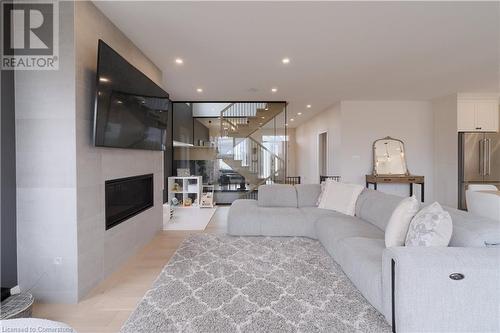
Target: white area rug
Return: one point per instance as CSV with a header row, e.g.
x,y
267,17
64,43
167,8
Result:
x,y
188,218
223,284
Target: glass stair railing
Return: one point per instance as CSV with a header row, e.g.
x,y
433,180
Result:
x,y
242,124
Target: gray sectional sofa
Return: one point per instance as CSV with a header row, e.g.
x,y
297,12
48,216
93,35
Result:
x,y
410,286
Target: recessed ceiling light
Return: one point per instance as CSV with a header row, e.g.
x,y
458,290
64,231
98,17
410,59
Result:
x,y
286,124
103,79
285,60
291,119
179,61
260,123
308,106
263,117
199,90
299,114
274,90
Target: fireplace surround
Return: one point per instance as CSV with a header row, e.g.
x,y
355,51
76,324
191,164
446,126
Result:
x,y
127,197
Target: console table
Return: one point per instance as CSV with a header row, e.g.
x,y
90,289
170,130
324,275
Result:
x,y
379,179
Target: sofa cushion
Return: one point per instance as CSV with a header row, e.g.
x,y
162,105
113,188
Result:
x,y
471,230
361,260
307,194
242,219
331,230
284,221
376,207
246,218
277,195
313,214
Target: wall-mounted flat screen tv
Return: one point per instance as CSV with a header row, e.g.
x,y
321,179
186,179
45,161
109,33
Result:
x,y
130,109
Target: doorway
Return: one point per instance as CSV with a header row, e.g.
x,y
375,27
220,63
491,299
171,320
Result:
x,y
323,154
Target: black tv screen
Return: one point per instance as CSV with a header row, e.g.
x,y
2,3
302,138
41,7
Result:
x,y
130,109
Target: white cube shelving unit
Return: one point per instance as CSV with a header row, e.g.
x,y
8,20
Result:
x,y
207,196
189,187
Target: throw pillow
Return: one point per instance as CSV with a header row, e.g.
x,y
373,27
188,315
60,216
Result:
x,y
340,197
397,228
321,193
431,226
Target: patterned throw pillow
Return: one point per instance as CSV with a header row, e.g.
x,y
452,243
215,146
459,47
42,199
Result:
x,y
431,226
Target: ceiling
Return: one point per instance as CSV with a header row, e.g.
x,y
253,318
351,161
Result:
x,y
337,50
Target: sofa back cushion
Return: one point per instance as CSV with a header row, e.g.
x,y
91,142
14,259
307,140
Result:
x,y
308,194
376,207
277,195
473,231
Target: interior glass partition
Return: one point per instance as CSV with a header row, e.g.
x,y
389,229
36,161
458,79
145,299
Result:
x,y
236,147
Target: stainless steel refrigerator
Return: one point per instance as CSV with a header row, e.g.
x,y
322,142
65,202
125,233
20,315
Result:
x,y
479,161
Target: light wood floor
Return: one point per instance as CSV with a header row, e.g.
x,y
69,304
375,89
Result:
x,y
107,307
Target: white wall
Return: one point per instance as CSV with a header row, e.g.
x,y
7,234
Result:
x,y
353,126
306,147
366,121
446,150
100,252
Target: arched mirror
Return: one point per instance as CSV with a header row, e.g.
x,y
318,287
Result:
x,y
389,157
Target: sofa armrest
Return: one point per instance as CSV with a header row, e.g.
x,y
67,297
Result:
x,y
420,285
243,218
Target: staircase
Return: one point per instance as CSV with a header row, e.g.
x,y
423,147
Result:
x,y
240,126
240,120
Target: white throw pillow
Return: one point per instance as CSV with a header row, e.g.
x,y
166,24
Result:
x,y
323,186
321,193
397,228
431,226
340,197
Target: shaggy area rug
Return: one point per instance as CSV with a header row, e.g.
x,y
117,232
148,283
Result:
x,y
218,283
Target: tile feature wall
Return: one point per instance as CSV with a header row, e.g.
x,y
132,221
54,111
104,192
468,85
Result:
x,y
100,252
46,174
63,247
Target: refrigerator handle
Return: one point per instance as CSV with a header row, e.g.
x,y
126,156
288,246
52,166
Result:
x,y
481,157
488,171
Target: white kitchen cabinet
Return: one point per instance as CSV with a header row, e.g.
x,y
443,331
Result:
x,y
487,116
478,115
466,116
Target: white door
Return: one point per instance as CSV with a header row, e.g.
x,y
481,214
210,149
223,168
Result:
x,y
323,154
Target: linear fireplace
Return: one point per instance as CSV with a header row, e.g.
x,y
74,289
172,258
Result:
x,y
126,197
